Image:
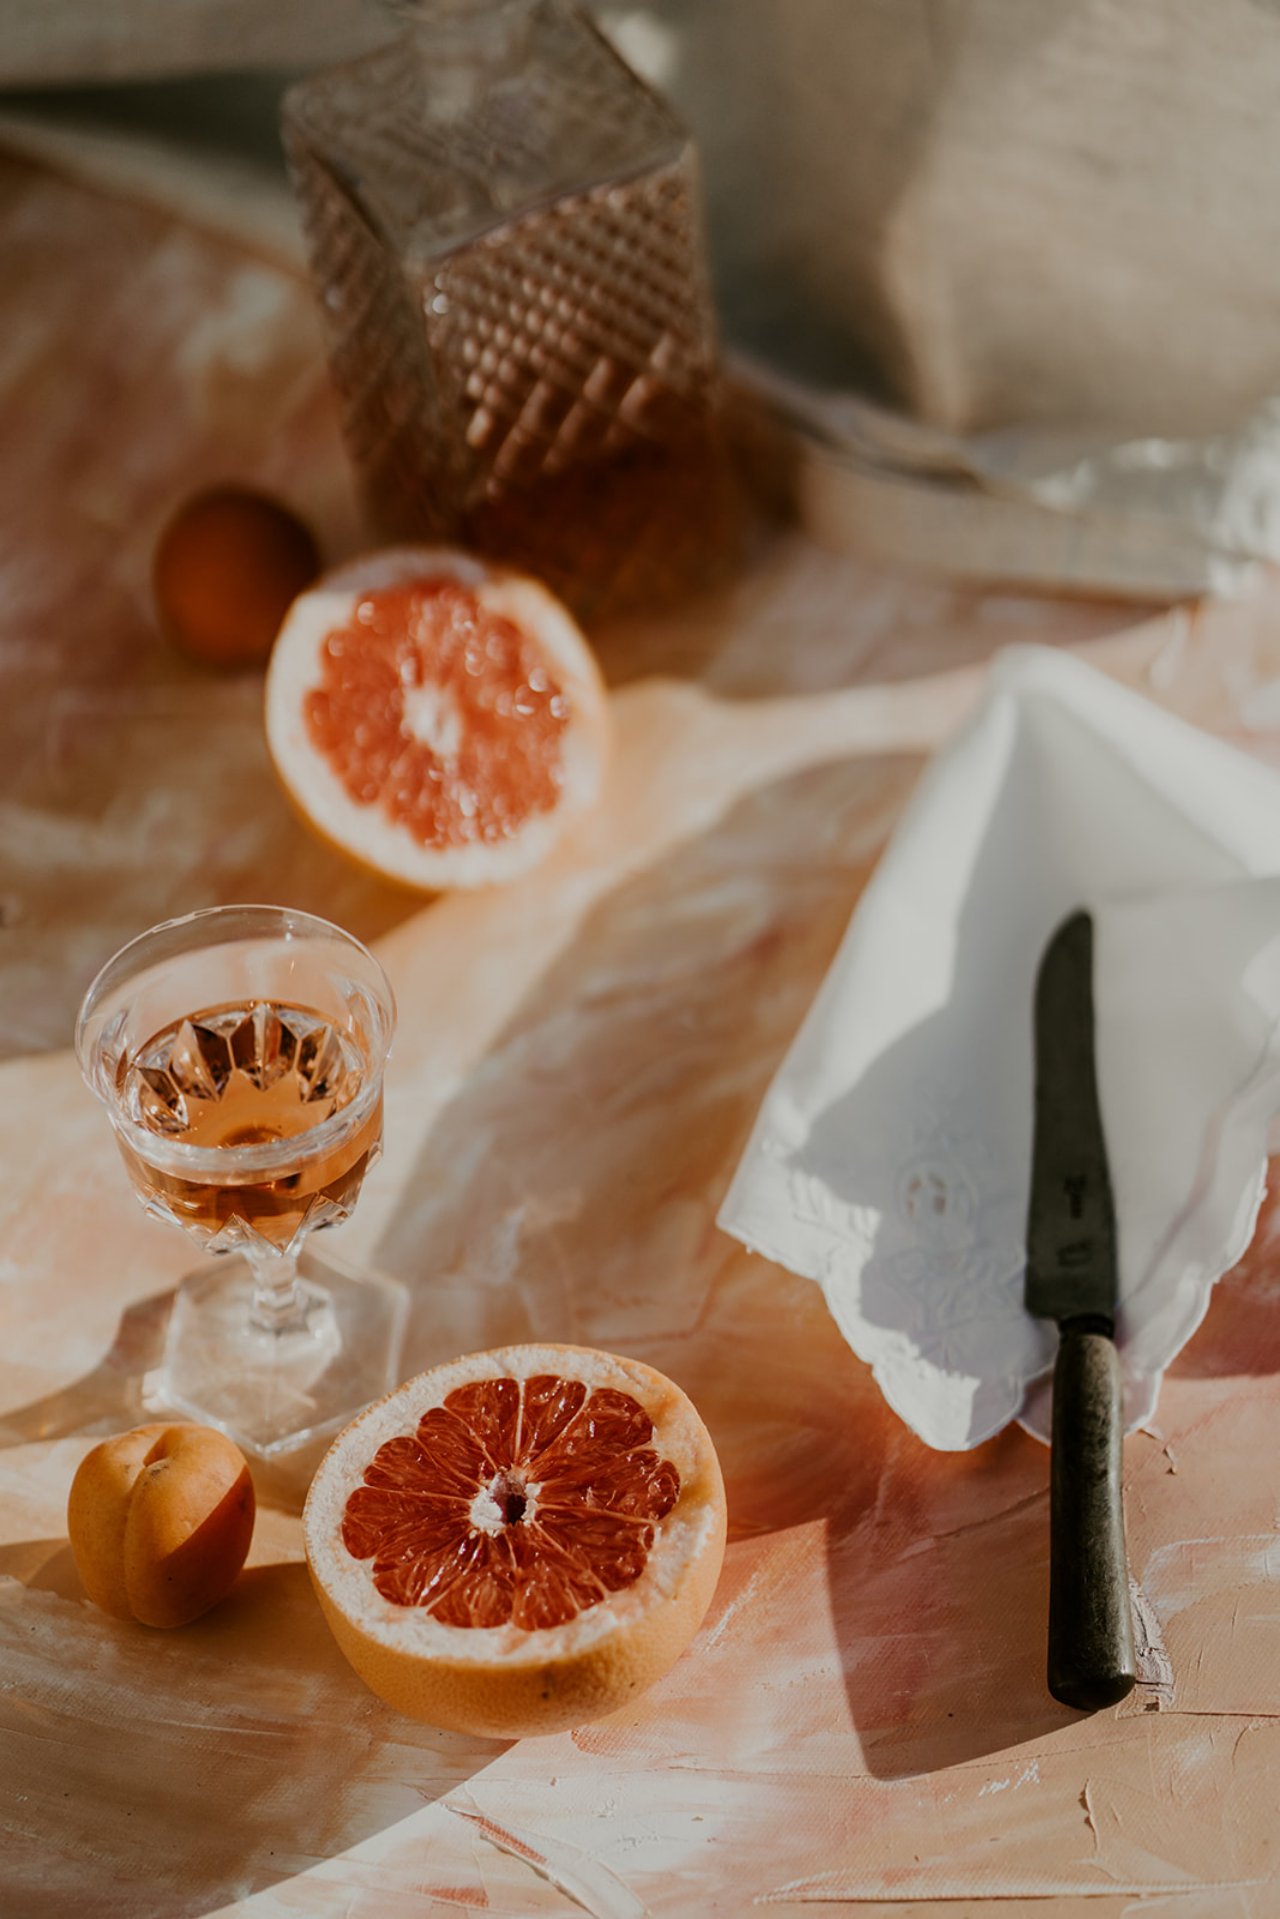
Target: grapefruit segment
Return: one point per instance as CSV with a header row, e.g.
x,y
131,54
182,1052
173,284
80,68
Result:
x,y
520,1540
482,1522
438,719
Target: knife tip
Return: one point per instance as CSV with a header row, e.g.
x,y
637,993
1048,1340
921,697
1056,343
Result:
x,y
1071,942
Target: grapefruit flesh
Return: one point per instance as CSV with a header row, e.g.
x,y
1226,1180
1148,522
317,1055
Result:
x,y
439,680
519,1541
441,721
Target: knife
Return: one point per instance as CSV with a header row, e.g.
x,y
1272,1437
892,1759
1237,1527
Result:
x,y
1072,1277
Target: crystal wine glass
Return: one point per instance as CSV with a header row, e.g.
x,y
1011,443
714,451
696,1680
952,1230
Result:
x,y
239,1053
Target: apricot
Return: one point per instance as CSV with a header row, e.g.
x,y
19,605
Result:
x,y
160,1521
226,569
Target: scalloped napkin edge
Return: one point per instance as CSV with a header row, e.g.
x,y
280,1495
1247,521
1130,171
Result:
x,y
890,1160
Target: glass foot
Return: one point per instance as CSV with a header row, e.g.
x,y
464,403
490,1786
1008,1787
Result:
x,y
274,1391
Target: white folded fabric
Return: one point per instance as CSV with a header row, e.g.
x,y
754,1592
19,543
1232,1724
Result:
x,y
1149,518
891,1158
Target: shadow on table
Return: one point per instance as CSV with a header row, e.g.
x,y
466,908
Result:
x,y
569,1192
193,1769
1240,1333
108,1399
115,1396
940,1600
799,619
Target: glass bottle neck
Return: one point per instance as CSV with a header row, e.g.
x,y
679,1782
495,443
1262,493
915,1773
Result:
x,y
480,31
466,47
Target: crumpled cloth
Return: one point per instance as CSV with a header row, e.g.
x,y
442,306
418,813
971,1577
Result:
x,y
1151,518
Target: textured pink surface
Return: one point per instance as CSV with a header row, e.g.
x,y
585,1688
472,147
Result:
x,y
861,1724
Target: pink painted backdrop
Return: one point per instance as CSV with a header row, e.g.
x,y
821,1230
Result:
x,y
862,1723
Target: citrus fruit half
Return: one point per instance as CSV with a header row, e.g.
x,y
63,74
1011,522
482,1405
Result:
x,y
520,1540
440,720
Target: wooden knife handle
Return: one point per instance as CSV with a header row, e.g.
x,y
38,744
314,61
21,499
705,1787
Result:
x,y
1091,1660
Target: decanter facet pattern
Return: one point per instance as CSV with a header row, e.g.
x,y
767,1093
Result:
x,y
519,318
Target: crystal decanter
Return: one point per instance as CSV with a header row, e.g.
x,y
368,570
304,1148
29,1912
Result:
x,y
504,227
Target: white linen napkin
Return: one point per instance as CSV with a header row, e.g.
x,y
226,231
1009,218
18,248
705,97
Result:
x,y
891,1158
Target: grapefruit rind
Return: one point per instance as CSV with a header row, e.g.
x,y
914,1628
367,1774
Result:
x,y
503,1681
365,832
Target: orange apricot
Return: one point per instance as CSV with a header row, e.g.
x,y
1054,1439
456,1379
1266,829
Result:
x,y
160,1521
226,569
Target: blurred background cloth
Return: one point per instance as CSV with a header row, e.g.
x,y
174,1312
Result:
x,y
1028,218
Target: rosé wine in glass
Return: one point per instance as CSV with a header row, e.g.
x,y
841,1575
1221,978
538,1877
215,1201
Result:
x,y
239,1053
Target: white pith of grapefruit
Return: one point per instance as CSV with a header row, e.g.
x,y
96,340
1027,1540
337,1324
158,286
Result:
x,y
506,1681
431,724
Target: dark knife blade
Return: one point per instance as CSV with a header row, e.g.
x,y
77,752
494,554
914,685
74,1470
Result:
x,y
1071,1221
1072,1276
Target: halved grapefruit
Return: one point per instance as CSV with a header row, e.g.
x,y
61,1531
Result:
x,y
518,1541
438,719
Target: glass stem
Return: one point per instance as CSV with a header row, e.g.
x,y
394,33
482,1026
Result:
x,y
277,1304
